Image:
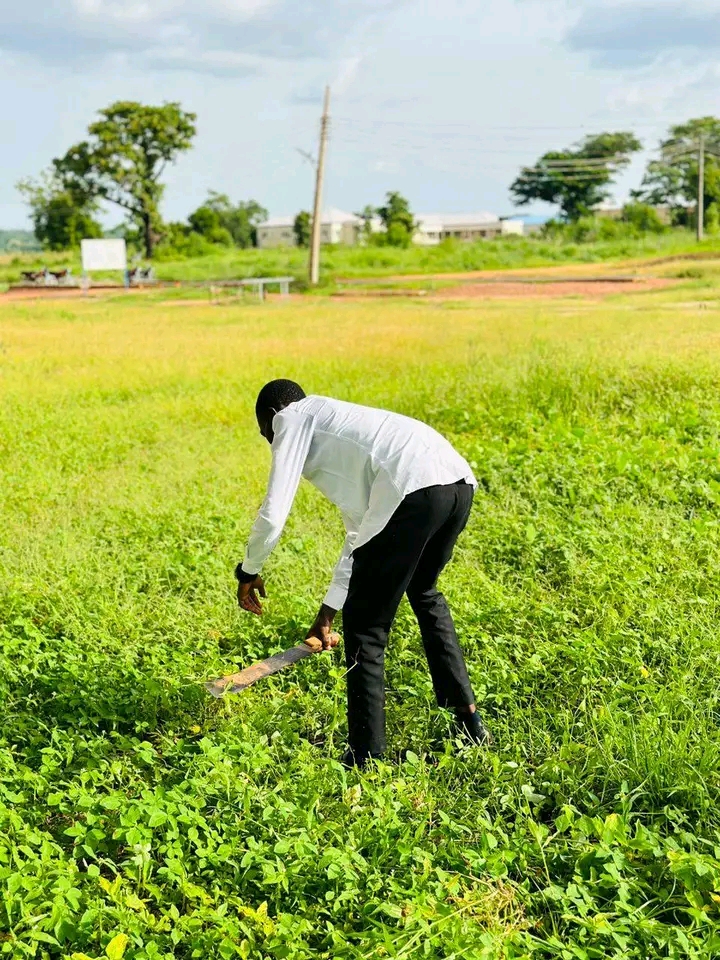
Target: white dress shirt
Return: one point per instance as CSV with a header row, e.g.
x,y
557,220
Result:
x,y
364,460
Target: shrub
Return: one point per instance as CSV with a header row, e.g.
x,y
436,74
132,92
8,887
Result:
x,y
643,216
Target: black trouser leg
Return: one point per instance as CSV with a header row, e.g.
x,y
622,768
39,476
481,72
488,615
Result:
x,y
365,661
382,571
442,649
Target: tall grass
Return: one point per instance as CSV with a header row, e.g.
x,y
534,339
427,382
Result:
x,y
354,262
585,591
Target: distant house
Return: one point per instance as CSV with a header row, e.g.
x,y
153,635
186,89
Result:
x,y
337,226
435,227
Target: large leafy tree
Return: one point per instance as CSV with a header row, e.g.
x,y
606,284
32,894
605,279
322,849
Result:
x,y
207,222
672,179
61,218
240,221
124,157
576,179
398,220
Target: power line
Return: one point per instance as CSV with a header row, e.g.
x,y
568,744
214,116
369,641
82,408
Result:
x,y
437,139
408,145
511,127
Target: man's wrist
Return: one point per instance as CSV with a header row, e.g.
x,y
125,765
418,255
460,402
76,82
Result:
x,y
242,577
325,616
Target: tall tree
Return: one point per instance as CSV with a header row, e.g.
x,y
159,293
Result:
x,y
207,223
301,228
124,157
60,218
577,179
398,220
240,220
673,178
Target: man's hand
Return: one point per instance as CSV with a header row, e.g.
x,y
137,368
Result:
x,y
320,636
247,598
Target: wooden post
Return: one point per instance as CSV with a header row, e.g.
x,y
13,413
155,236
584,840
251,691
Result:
x,y
314,265
701,186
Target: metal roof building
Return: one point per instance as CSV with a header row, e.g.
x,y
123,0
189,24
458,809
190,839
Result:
x,y
337,226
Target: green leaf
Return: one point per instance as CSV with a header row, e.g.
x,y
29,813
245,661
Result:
x,y
530,794
115,950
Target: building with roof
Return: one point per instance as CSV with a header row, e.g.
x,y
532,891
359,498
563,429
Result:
x,y
337,226
435,227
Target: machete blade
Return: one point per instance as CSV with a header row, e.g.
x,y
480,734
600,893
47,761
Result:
x,y
235,682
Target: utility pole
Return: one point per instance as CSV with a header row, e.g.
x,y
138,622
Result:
x,y
701,185
314,265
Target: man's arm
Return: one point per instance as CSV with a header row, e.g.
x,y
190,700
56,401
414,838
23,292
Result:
x,y
321,630
291,444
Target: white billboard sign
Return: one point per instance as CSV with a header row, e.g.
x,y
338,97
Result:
x,y
103,255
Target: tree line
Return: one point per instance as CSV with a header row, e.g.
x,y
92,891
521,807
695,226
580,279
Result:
x,y
578,179
128,148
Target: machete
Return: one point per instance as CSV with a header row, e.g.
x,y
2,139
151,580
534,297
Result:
x,y
235,682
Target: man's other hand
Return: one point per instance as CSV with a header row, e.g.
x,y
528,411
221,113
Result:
x,y
247,597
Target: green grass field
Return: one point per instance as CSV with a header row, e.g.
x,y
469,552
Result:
x,y
354,262
586,591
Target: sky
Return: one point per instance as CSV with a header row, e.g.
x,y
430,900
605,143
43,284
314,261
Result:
x,y
442,100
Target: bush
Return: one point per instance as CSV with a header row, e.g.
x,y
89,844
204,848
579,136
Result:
x,y
206,222
712,219
643,216
637,220
302,228
181,243
60,219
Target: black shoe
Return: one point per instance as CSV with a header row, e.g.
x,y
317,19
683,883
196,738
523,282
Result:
x,y
358,758
471,726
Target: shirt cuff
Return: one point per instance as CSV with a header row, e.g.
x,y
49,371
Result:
x,y
335,597
243,576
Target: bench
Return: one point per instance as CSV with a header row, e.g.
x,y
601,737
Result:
x,y
261,283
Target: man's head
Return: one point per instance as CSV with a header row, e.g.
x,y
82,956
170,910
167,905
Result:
x,y
273,398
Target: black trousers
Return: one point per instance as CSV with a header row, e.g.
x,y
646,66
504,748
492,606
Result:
x,y
407,556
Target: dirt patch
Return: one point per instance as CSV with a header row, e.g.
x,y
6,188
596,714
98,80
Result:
x,y
66,293
492,289
565,273
591,289
673,258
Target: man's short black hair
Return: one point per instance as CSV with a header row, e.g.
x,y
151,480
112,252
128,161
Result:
x,y
276,395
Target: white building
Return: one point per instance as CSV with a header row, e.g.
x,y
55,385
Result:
x,y
336,226
434,227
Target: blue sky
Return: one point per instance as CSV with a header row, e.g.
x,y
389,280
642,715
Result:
x,y
440,99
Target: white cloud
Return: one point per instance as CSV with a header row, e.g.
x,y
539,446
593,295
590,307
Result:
x,y
204,36
635,33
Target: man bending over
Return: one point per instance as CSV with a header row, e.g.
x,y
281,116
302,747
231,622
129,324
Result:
x,y
405,496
